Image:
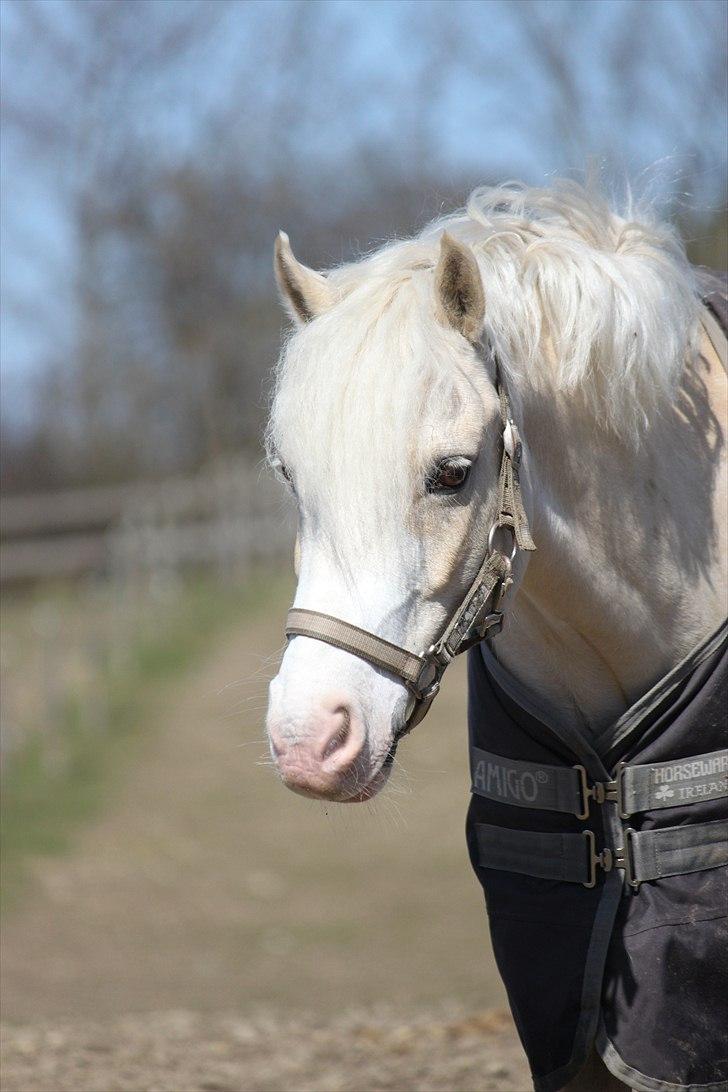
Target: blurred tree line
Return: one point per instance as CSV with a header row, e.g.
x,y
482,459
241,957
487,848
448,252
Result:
x,y
177,137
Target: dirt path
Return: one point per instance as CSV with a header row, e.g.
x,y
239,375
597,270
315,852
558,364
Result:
x,y
182,1052
205,888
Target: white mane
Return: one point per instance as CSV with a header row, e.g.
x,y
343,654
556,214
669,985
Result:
x,y
611,295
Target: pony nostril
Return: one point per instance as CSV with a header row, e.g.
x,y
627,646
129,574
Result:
x,y
278,745
340,736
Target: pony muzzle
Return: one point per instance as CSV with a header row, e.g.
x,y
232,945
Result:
x,y
323,757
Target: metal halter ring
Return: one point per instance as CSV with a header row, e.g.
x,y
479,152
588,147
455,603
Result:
x,y
491,540
428,683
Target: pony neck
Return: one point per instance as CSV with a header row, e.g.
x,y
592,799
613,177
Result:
x,y
628,576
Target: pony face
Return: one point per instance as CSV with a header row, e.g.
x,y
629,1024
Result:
x,y
385,425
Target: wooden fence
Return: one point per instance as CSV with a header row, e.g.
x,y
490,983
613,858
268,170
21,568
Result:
x,y
226,517
98,572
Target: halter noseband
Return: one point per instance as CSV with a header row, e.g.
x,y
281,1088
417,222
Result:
x,y
478,616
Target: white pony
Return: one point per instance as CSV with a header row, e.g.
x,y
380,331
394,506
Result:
x,y
385,424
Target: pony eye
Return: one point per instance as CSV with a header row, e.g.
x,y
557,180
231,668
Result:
x,y
448,476
282,469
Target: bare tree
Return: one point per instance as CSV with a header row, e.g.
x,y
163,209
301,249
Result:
x,y
177,137
77,110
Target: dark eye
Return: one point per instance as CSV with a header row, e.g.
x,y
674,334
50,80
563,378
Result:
x,y
281,468
448,476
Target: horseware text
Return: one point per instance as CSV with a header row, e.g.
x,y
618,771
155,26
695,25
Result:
x,y
706,778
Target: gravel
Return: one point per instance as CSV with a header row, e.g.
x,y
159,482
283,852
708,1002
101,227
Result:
x,y
189,1052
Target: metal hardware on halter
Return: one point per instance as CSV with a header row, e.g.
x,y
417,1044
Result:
x,y
492,624
512,442
427,685
498,526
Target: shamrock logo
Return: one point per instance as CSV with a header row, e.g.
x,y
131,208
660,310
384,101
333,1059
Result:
x,y
664,793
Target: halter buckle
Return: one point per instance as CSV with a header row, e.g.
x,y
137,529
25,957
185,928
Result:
x,y
492,624
501,590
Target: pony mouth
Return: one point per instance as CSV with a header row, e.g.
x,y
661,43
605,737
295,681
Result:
x,y
391,754
377,782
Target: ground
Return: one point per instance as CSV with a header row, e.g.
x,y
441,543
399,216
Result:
x,y
186,1052
209,930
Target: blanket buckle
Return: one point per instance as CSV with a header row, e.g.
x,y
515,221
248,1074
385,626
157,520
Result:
x,y
604,860
623,859
607,859
601,792
596,792
614,790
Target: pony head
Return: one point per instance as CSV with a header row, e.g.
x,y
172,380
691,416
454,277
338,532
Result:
x,y
386,427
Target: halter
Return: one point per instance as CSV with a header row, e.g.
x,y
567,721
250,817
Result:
x,y
479,614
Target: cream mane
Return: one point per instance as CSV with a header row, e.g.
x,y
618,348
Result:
x,y
608,297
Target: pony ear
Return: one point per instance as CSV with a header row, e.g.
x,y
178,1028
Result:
x,y
459,295
304,292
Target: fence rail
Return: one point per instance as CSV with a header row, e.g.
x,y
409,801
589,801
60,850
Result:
x,y
227,516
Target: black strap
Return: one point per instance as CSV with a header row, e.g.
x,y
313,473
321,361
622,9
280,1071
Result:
x,y
646,855
525,784
533,853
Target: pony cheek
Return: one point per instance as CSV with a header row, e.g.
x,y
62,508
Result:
x,y
447,558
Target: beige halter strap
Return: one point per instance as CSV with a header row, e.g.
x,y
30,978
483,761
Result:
x,y
478,616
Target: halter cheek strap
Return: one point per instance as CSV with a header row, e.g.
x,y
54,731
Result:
x,y
479,614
